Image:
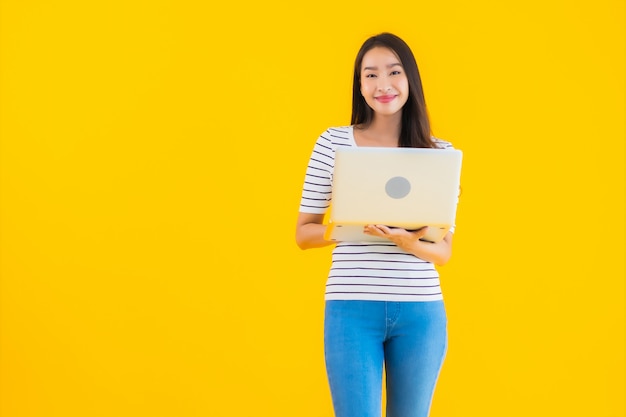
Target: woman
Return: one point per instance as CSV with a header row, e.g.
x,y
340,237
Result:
x,y
383,299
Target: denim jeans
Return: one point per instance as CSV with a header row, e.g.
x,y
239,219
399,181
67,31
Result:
x,y
409,338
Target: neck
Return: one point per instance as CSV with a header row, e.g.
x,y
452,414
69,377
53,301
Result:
x,y
386,129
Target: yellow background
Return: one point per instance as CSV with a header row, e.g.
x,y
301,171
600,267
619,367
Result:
x,y
152,155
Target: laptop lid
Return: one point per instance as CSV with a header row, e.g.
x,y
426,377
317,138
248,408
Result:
x,y
398,187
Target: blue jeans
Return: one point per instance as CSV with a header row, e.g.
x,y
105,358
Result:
x,y
409,338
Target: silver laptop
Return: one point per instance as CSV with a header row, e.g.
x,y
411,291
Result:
x,y
398,187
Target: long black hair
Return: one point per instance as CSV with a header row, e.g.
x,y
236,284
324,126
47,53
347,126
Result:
x,y
415,131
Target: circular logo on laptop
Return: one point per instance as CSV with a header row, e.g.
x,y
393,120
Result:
x,y
398,187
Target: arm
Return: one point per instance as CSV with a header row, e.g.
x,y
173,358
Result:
x,y
438,253
310,231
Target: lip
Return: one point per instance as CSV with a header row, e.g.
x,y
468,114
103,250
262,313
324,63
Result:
x,y
385,98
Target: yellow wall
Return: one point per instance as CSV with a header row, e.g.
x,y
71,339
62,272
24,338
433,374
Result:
x,y
152,154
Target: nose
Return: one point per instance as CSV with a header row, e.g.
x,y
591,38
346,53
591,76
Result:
x,y
383,85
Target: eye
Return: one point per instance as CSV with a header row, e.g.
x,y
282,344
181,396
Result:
x,y
396,72
370,75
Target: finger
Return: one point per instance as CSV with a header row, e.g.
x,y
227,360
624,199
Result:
x,y
383,229
373,230
421,231
369,229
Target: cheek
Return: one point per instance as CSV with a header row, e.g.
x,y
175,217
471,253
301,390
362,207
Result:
x,y
366,88
405,86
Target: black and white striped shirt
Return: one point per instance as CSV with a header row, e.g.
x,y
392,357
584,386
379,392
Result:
x,y
378,271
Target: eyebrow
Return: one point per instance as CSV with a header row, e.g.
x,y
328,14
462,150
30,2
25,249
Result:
x,y
388,66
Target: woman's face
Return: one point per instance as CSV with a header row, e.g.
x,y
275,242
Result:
x,y
384,85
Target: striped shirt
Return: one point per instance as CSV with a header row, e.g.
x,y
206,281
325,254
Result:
x,y
378,271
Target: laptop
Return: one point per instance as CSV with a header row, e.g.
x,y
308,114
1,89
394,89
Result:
x,y
398,187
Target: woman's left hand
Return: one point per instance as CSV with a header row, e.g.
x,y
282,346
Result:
x,y
397,235
409,240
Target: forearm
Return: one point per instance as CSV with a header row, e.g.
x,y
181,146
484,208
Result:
x,y
438,253
311,235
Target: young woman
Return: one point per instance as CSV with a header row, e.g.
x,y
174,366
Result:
x,y
383,299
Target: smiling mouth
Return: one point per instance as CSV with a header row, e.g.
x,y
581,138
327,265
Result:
x,y
385,99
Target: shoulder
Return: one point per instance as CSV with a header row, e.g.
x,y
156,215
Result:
x,y
334,137
442,144
340,135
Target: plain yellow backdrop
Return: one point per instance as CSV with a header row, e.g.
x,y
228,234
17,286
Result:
x,y
152,156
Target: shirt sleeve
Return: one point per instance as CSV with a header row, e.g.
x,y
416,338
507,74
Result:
x,y
317,187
